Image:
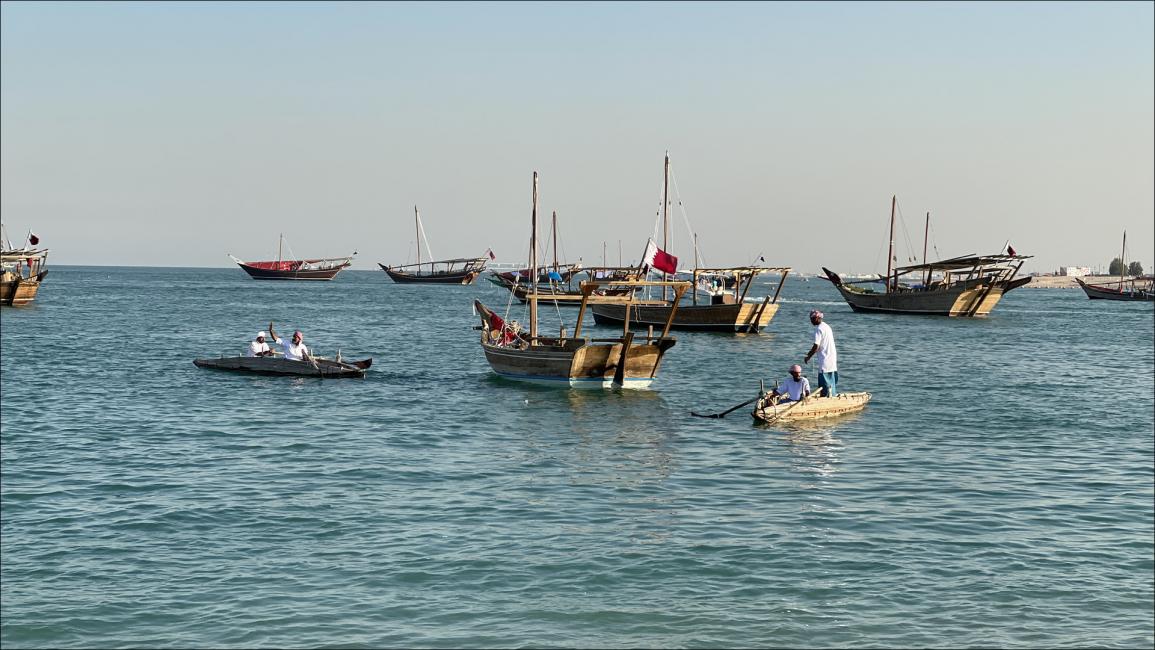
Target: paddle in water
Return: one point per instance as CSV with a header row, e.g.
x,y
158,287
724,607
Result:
x,y
723,413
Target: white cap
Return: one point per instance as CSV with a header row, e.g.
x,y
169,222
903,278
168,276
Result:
x,y
262,335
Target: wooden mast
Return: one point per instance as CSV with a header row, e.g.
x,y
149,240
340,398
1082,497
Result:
x,y
890,252
925,237
554,235
1123,261
533,269
665,214
417,224
281,238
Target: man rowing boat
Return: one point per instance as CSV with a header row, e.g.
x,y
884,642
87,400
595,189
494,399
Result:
x,y
793,389
294,350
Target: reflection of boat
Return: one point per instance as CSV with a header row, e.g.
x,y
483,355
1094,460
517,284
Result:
x,y
318,367
21,272
971,285
1128,289
279,269
812,408
726,310
461,270
573,360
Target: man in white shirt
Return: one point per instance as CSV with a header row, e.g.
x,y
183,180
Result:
x,y
827,355
258,347
294,350
793,389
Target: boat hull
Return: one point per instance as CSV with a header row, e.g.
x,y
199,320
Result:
x,y
19,292
257,273
739,317
962,299
814,408
324,368
577,363
451,277
1101,292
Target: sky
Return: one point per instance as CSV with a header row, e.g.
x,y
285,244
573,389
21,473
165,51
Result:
x,y
173,134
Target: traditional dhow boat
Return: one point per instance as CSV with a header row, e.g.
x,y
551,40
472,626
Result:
x,y
462,270
1138,289
966,286
725,311
276,365
281,269
21,272
625,361
810,408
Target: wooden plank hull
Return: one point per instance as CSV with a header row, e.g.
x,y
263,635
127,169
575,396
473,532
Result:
x,y
303,274
450,277
740,317
19,292
962,299
814,408
577,363
325,368
1103,292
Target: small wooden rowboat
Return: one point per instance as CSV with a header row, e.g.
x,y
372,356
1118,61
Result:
x,y
811,408
319,367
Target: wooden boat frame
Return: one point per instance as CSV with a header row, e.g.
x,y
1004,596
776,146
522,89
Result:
x,y
814,408
319,367
21,272
566,296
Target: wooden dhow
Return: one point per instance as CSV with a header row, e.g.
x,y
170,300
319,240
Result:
x,y
965,286
461,270
574,361
727,309
1137,289
810,408
281,269
21,272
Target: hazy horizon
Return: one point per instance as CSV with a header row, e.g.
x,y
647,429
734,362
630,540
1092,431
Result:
x,y
171,134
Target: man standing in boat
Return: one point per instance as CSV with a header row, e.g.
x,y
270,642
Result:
x,y
258,347
827,355
294,350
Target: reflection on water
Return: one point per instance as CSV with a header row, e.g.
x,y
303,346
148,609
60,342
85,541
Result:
x,y
814,449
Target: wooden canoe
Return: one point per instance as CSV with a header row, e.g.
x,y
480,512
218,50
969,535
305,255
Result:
x,y
811,409
324,368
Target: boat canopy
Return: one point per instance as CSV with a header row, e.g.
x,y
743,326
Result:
x,y
963,262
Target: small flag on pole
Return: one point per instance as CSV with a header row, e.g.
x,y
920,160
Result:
x,y
659,259
491,255
1010,250
33,239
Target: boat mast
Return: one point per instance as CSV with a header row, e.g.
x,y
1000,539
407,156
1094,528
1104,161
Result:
x,y
281,237
1123,261
665,214
417,223
925,237
555,241
533,268
890,252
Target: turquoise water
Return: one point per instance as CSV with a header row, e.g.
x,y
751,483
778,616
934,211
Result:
x,y
998,490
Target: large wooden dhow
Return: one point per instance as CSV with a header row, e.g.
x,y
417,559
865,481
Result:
x,y
727,310
307,269
966,286
21,272
461,270
575,361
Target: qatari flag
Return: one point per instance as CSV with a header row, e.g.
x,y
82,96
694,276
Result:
x,y
659,259
33,239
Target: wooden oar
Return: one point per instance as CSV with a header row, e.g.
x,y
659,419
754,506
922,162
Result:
x,y
729,410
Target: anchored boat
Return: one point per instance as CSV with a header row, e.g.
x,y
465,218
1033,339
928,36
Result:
x,y
462,270
282,269
1138,289
21,272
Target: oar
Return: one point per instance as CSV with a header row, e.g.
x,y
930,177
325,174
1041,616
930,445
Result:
x,y
729,410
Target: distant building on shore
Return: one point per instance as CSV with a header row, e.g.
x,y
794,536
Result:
x,y
1074,271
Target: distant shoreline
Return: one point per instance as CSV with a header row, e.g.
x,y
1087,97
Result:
x,y
1066,282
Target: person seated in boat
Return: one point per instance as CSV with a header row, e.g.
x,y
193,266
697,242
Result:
x,y
295,349
258,347
791,390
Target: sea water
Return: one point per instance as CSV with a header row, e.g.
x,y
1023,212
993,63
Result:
x,y
997,490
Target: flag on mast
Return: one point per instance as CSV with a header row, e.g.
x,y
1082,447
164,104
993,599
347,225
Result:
x,y
659,259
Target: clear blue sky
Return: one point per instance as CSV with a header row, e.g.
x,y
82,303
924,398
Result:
x,y
176,132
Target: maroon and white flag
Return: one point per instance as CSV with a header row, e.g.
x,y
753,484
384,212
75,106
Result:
x,y
659,259
33,239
